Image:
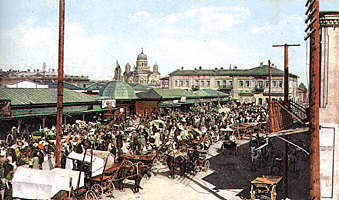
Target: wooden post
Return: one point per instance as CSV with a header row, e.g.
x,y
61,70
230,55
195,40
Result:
x,y
313,33
43,122
60,82
286,70
285,168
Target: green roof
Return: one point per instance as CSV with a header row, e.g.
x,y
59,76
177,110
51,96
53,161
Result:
x,y
96,86
67,110
139,87
118,90
302,86
209,93
158,93
31,96
256,71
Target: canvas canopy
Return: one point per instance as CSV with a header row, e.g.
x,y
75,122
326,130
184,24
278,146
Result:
x,y
97,165
31,183
103,155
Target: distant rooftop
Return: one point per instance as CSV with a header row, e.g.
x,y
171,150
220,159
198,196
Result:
x,y
261,70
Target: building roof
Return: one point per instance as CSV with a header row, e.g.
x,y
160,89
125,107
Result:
x,y
157,93
302,86
262,70
118,90
38,96
139,87
210,93
96,86
142,56
66,85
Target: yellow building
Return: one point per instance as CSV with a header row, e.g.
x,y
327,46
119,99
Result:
x,y
245,85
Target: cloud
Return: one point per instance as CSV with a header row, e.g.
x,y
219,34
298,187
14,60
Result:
x,y
199,20
139,17
84,54
261,29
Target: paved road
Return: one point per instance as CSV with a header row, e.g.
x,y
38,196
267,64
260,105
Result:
x,y
160,186
228,178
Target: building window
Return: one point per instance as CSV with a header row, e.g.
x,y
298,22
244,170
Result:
x,y
260,101
176,83
181,83
218,83
260,84
197,82
230,83
208,83
202,83
274,83
247,83
280,84
224,83
241,83
187,83
266,83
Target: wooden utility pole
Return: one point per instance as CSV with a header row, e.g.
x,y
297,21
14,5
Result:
x,y
285,69
58,131
286,102
270,106
313,33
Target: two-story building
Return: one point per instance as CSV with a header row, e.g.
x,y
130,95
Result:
x,y
245,85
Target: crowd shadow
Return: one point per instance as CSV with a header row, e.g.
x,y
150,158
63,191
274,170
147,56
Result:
x,y
234,172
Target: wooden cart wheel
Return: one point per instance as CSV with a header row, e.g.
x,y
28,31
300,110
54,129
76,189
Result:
x,y
252,193
110,187
90,195
97,189
273,193
206,165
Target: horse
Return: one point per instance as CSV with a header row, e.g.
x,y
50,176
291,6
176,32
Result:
x,y
176,164
131,171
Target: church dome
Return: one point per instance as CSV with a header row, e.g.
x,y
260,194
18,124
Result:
x,y
118,90
142,56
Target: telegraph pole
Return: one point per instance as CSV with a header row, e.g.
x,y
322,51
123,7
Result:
x,y
60,82
285,145
285,68
313,33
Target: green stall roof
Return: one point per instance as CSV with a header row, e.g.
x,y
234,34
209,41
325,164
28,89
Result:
x,y
33,96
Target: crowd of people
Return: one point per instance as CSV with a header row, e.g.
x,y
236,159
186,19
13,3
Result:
x,y
134,134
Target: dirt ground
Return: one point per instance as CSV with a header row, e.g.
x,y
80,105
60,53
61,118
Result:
x,y
228,178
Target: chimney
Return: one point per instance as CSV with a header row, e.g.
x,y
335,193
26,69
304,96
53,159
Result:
x,y
52,70
261,64
216,68
28,70
200,67
182,68
230,66
235,67
221,68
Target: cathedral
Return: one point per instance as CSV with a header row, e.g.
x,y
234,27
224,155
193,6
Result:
x,y
141,73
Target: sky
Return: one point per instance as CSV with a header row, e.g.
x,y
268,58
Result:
x,y
173,34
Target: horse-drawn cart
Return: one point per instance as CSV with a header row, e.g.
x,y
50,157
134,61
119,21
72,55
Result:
x,y
266,185
192,161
